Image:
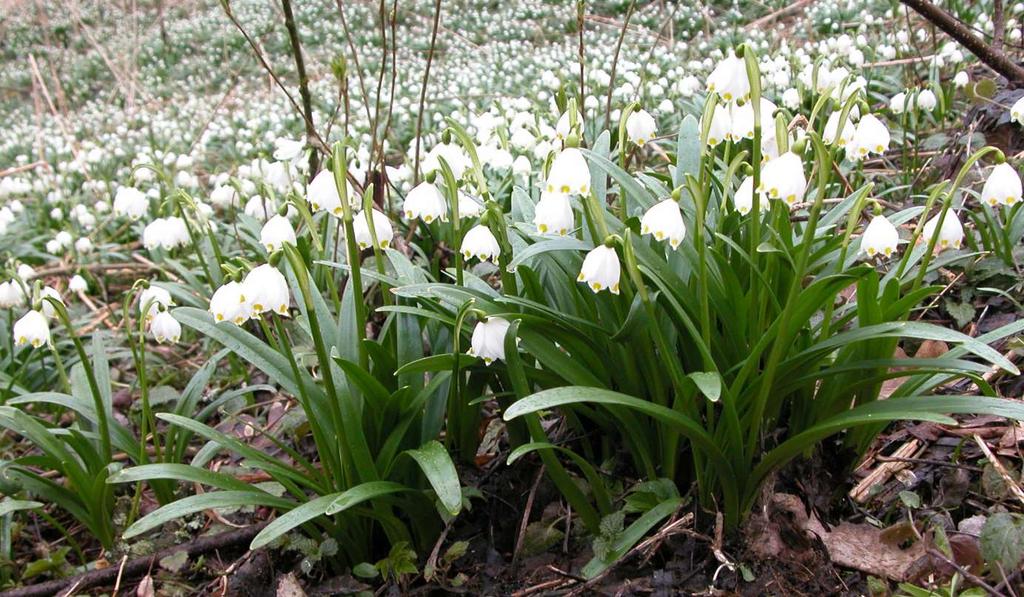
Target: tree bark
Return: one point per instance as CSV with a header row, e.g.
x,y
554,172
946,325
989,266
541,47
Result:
x,y
994,58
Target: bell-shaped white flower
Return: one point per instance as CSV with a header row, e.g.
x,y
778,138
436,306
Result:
x,y
276,232
1002,186
224,196
84,245
880,238
480,242
11,295
951,235
33,328
287,150
229,303
553,214
452,153
729,79
601,270
165,233
469,207
381,226
26,272
165,328
265,289
426,203
488,342
322,194
961,80
1017,111
926,100
640,127
562,128
77,284
664,221
741,125
871,137
783,178
831,135
47,307
743,200
569,173
130,202
720,128
154,296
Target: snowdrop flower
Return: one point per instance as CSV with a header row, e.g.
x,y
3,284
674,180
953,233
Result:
x,y
11,294
553,214
480,241
381,226
224,196
165,328
469,207
77,284
33,328
898,103
926,100
322,194
1002,187
166,233
521,167
783,178
961,80
276,232
742,125
64,238
870,137
721,125
880,237
26,272
664,221
259,208
562,129
729,79
791,98
53,247
56,214
265,289
1017,111
743,200
601,270
488,342
130,202
453,154
229,303
287,150
830,135
640,127
83,245
426,202
49,292
950,235
569,173
154,296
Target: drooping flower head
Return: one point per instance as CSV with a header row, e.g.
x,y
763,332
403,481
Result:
x,y
664,221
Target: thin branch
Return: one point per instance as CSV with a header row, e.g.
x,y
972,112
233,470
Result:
x,y
300,68
615,64
423,89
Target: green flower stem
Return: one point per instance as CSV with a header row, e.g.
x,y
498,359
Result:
x,y
340,163
61,370
452,189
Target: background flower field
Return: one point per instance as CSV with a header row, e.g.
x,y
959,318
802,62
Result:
x,y
314,297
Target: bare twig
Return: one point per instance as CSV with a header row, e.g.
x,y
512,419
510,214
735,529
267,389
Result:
x,y
423,90
615,64
300,69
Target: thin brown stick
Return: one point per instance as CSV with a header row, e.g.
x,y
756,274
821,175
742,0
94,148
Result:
x,y
615,64
300,69
423,90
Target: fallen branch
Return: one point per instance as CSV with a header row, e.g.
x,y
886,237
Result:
x,y
994,58
778,14
139,566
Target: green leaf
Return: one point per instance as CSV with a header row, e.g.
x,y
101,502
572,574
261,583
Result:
x,y
437,466
205,501
9,505
709,383
546,246
439,362
631,536
179,472
687,150
1002,540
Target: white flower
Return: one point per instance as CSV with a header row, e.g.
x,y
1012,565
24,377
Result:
x,y
926,100
721,125
26,272
453,154
381,226
831,127
33,328
664,221
480,241
229,303
11,295
783,178
601,270
950,235
961,80
898,103
165,328
553,214
165,233
521,167
791,98
322,194
426,202
1017,111
130,202
880,237
871,137
265,289
224,196
154,296
259,208
83,245
488,342
469,207
77,284
569,173
743,200
287,150
729,79
562,128
276,232
1002,187
640,127
49,292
